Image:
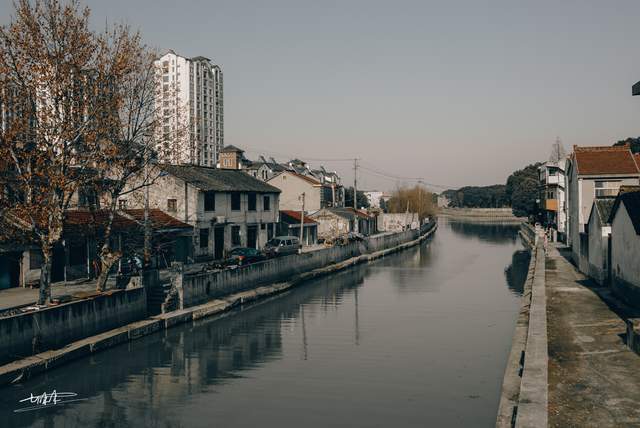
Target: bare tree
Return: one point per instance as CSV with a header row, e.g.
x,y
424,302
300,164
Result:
x,y
57,86
137,141
412,199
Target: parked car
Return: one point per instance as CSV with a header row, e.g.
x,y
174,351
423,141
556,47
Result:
x,y
241,256
282,246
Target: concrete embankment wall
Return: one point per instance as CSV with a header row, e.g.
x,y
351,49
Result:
x,y
528,234
29,333
202,287
524,396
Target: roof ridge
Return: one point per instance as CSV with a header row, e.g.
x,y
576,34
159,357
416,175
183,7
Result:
x,y
601,148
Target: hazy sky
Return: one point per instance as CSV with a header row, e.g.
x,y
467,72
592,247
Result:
x,y
455,92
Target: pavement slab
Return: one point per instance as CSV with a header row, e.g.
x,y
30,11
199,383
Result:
x,y
594,378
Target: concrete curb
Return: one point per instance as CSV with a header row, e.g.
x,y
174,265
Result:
x,y
25,368
524,397
533,400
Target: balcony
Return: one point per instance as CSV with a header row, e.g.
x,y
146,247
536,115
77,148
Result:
x,y
551,205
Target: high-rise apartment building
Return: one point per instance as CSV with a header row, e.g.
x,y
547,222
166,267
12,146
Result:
x,y
191,110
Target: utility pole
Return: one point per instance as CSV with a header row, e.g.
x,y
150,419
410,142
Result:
x,y
147,224
302,218
355,193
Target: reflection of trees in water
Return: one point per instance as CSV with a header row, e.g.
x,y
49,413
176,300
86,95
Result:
x,y
490,232
516,272
141,382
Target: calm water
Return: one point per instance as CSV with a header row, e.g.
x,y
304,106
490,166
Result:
x,y
417,339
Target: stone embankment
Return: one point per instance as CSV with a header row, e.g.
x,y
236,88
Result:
x,y
572,361
481,215
524,401
24,368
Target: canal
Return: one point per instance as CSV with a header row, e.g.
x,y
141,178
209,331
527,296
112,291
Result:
x,y
420,338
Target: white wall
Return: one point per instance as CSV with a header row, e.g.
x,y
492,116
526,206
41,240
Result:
x,y
625,248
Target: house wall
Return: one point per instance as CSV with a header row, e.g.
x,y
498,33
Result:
x,y
598,250
292,187
56,326
625,247
331,225
190,209
580,196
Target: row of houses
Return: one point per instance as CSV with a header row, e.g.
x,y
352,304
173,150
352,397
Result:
x,y
592,199
198,213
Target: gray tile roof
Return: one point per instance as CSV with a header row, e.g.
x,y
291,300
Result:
x,y
219,180
603,208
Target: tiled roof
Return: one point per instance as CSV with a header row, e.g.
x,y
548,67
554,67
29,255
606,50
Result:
x,y
605,160
631,202
231,149
159,219
219,180
603,209
295,216
346,212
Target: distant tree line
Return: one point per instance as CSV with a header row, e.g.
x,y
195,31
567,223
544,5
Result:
x,y
633,142
520,193
494,196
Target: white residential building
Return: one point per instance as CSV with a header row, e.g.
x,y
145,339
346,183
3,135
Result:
x,y
191,110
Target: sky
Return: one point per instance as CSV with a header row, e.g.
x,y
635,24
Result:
x,y
453,92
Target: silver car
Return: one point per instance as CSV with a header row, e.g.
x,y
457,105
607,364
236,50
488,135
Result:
x,y
282,246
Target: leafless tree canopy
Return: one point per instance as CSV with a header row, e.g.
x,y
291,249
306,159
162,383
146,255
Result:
x,y
412,199
77,111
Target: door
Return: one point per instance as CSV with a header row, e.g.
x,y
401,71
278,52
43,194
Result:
x,y
58,262
218,243
252,236
10,270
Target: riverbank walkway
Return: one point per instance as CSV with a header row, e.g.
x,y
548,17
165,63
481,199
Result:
x,y
594,378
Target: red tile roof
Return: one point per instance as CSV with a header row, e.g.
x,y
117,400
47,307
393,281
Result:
x,y
295,215
605,160
159,219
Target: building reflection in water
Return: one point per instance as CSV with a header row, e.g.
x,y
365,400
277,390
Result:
x,y
164,370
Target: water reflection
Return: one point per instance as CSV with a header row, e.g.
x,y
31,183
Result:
x,y
417,338
516,272
490,232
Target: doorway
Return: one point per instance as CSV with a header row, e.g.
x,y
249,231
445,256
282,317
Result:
x,y
218,243
252,236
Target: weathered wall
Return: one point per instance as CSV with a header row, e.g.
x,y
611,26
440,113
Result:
x,y
598,250
625,247
202,287
57,326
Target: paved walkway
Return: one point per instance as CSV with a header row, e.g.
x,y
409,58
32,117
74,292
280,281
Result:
x,y
594,379
20,296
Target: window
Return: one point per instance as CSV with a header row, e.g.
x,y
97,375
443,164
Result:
x,y
204,238
172,205
607,188
235,235
35,259
122,204
209,201
235,201
252,202
266,203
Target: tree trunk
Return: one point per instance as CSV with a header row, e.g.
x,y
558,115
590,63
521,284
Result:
x,y
107,259
44,296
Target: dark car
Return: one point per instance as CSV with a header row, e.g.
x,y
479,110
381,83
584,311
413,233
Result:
x,y
244,256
